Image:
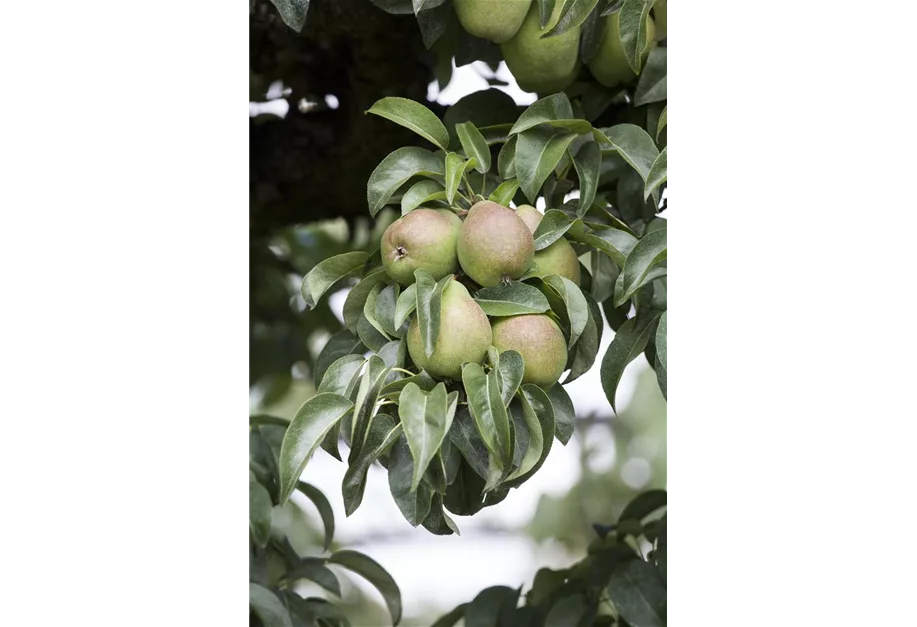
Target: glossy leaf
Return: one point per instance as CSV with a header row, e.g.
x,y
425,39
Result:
x,y
604,274
455,168
438,521
384,310
661,355
265,419
657,175
405,305
545,110
421,193
628,343
268,607
505,193
429,297
383,432
506,159
293,13
465,437
649,252
511,299
615,243
634,145
356,298
307,429
413,504
569,611
314,569
433,22
590,43
661,549
426,419
575,303
371,382
395,170
538,151
369,310
491,604
511,368
545,9
341,343
414,116
638,594
323,506
395,7
572,16
376,575
342,375
474,145
632,24
486,403
259,512
652,84
588,164
644,504
328,272
564,413
422,379
583,354
370,335
613,7
538,414
426,5
662,121
551,228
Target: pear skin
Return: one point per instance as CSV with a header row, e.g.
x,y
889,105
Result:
x,y
425,238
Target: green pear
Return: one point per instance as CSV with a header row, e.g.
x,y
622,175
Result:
x,y
494,245
559,257
609,66
496,20
660,16
543,65
425,238
540,342
464,335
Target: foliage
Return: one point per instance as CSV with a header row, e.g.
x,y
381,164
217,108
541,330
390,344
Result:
x,y
621,581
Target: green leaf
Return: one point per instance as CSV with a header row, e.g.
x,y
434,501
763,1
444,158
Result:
x,y
649,252
583,354
572,16
545,9
433,22
383,431
643,505
590,44
652,84
628,343
429,296
551,228
546,110
613,7
341,343
490,605
414,116
413,504
356,298
511,368
307,429
657,174
342,376
450,619
538,151
564,413
588,164
661,549
384,310
661,356
293,13
638,594
421,193
259,512
632,25
505,192
474,145
538,415
604,274
615,243
465,436
455,168
328,272
369,310
395,7
568,611
264,419
489,412
314,569
575,302
634,145
371,383
662,122
438,521
426,417
506,159
426,5
324,509
268,607
405,305
395,170
392,390
511,299
374,573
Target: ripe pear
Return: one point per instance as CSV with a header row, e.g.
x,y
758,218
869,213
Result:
x,y
559,257
425,238
609,66
494,245
464,335
543,65
496,20
540,342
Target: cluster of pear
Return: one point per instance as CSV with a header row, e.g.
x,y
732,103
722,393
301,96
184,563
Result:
x,y
550,65
492,245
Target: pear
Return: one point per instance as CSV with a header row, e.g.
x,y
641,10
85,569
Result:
x,y
464,335
543,65
494,245
496,20
425,238
559,257
540,342
609,66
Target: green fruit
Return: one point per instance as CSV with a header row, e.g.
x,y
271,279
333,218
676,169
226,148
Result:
x,y
496,20
543,65
540,342
464,335
494,245
660,16
425,238
559,257
609,66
